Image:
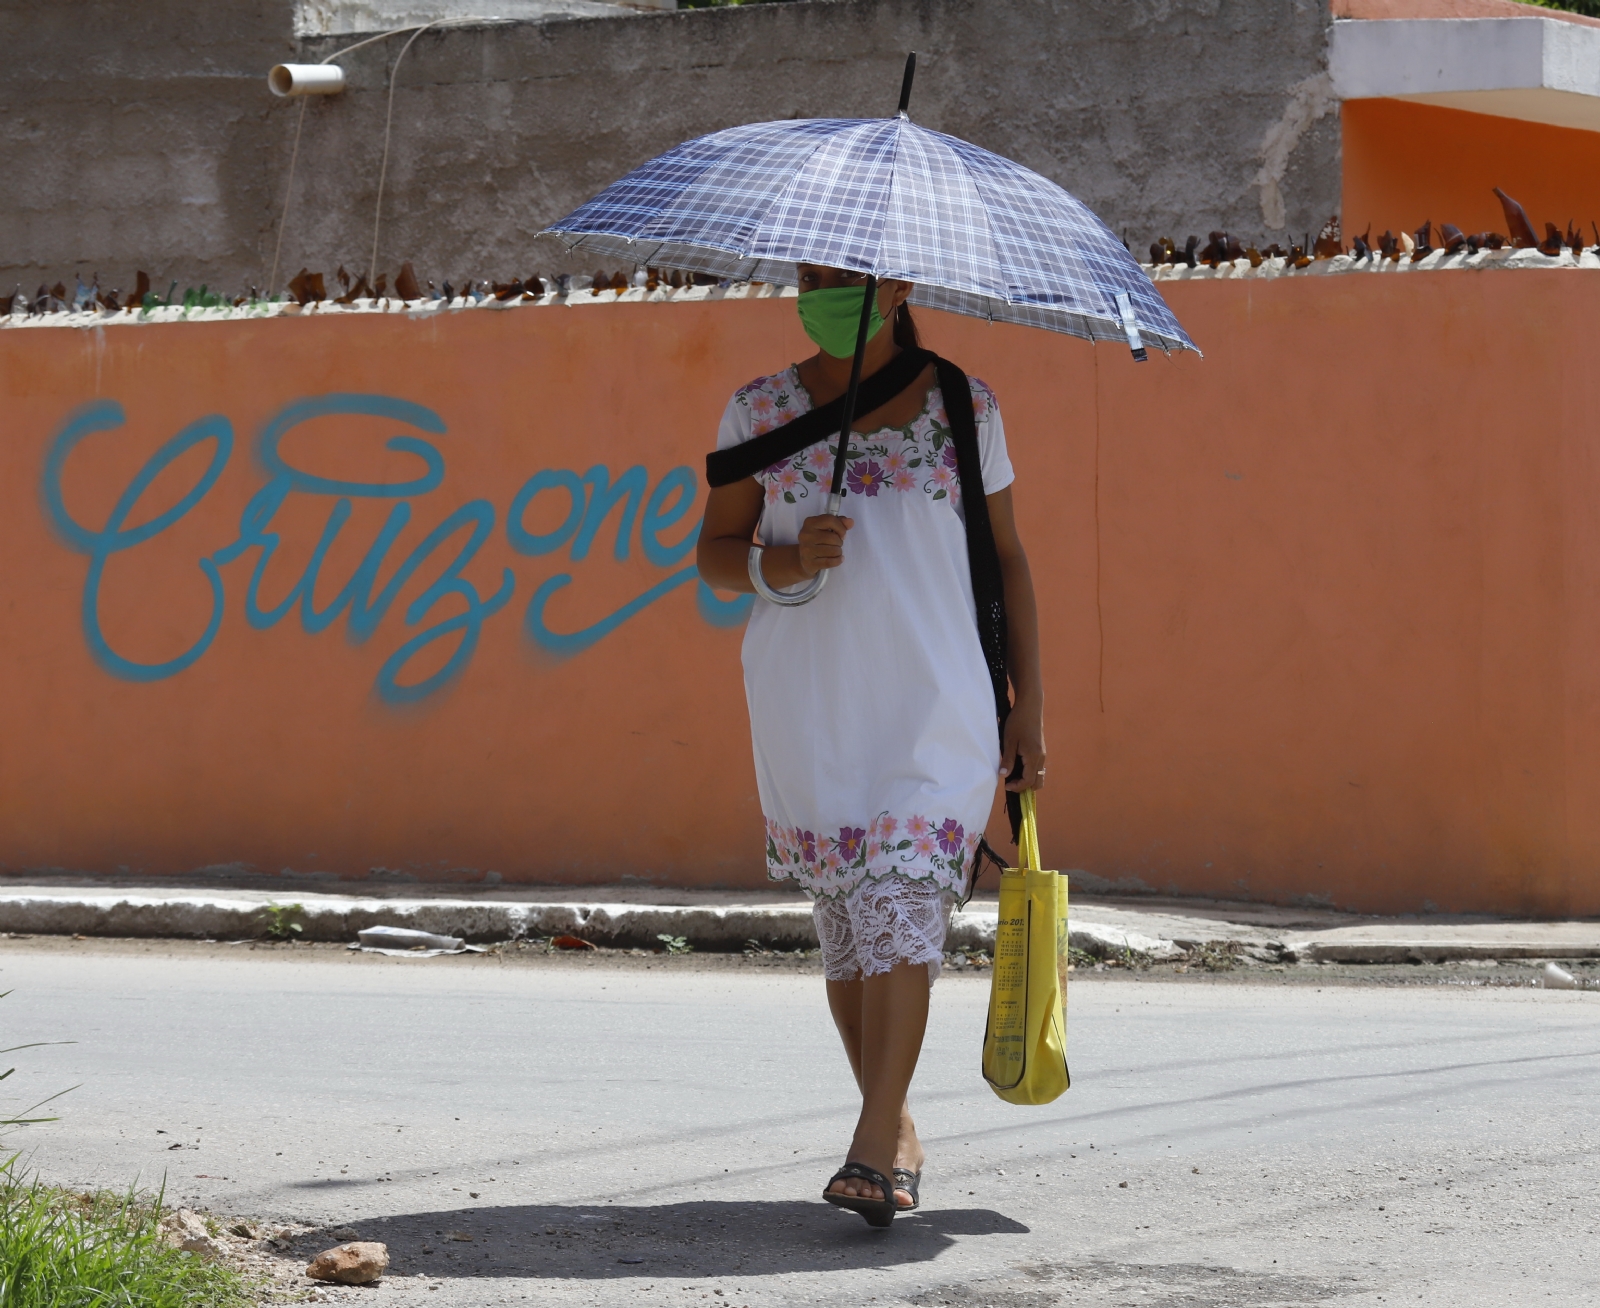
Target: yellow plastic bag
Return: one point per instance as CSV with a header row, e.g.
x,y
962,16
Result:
x,y
1025,1039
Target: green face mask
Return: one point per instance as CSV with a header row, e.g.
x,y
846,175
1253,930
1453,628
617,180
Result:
x,y
833,317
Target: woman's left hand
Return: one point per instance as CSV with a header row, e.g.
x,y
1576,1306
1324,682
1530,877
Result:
x,y
1024,739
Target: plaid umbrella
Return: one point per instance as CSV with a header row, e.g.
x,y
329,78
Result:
x,y
977,234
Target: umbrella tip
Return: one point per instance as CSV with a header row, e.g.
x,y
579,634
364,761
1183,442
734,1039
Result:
x,y
905,84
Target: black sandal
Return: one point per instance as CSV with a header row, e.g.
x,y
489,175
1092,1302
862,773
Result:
x,y
878,1212
908,1181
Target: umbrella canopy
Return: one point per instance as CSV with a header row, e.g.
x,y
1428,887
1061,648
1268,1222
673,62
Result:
x,y
976,233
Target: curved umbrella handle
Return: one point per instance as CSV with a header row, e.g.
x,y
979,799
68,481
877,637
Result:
x,y
788,599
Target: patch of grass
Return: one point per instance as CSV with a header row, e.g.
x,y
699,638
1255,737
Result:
x,y
1215,956
755,949
1133,959
11,1119
62,1249
280,920
969,957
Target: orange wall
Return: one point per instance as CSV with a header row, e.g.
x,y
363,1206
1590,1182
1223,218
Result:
x,y
1321,611
1406,164
1452,9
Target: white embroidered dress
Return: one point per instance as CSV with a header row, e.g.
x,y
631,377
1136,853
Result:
x,y
871,710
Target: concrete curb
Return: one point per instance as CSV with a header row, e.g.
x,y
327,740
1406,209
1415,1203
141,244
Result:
x,y
1438,950
237,915
337,918
218,917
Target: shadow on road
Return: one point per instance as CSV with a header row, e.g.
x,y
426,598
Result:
x,y
696,1239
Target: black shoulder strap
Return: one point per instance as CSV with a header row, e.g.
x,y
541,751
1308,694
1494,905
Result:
x,y
983,557
724,467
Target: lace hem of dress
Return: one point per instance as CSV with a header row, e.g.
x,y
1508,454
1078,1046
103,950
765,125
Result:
x,y
880,925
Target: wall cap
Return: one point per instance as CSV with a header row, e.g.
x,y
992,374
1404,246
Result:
x,y
1344,265
1538,70
19,320
1238,270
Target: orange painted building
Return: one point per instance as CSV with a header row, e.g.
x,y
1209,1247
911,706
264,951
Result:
x,y
1406,164
1321,611
1443,100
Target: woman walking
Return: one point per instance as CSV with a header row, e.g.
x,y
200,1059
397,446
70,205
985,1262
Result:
x,y
871,708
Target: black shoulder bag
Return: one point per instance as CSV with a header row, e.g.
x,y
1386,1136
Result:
x,y
988,583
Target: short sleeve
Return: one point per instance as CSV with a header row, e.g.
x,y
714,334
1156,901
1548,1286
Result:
x,y
996,463
734,429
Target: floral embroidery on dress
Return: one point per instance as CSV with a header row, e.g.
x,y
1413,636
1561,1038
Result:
x,y
917,847
920,456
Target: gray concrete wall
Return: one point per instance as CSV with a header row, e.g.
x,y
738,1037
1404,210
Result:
x,y
137,134
145,134
344,17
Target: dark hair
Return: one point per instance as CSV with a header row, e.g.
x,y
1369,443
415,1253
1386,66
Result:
x,y
905,331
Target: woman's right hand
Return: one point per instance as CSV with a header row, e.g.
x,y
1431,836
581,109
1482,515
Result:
x,y
821,543
723,549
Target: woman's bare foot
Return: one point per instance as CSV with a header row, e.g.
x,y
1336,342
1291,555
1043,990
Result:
x,y
856,1187
908,1154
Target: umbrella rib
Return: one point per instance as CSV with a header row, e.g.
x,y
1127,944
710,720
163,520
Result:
x,y
773,202
789,187
759,215
971,181
1089,318
1099,327
888,191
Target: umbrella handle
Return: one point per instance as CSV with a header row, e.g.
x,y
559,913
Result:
x,y
788,599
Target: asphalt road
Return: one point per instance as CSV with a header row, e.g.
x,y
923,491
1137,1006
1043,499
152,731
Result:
x,y
640,1137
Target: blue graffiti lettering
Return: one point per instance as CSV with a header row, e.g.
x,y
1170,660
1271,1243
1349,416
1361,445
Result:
x,y
527,542
591,498
480,513
285,480
356,596
372,406
682,485
602,495
721,612
357,592
107,415
361,600
565,644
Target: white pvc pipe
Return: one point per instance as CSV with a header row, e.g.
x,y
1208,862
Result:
x,y
306,79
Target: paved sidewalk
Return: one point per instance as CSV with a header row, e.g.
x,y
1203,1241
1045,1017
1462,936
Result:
x,y
635,914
